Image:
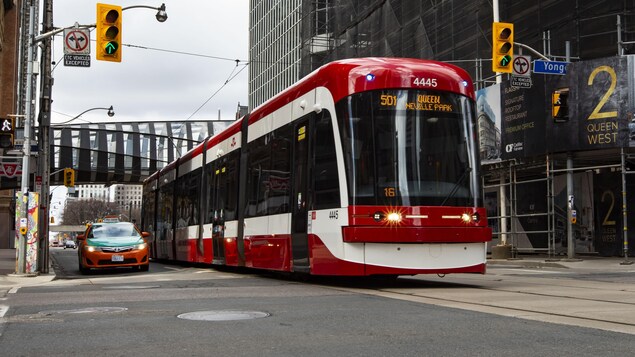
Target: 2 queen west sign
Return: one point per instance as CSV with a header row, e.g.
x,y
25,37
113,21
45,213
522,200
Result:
x,y
600,110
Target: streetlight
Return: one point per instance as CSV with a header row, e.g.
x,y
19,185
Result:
x,y
161,14
111,113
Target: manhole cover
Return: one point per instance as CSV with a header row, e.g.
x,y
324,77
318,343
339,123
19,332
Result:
x,y
131,287
223,315
86,310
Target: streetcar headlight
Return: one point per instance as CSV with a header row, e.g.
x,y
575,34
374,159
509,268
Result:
x,y
393,217
370,77
142,246
470,218
90,248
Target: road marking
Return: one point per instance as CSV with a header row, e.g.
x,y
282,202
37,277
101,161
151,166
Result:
x,y
537,271
14,290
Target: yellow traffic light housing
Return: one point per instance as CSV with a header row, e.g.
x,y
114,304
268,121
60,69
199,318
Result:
x,y
7,130
502,47
560,105
108,33
69,177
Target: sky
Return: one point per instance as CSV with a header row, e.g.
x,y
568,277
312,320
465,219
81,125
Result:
x,y
186,60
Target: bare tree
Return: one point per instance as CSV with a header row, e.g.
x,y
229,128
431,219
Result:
x,y
84,211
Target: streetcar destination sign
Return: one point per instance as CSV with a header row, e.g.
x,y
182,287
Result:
x,y
550,67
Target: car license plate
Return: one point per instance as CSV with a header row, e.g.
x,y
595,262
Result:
x,y
117,258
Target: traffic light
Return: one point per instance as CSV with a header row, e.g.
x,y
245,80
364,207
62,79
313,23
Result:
x,y
560,105
69,177
502,47
7,131
108,33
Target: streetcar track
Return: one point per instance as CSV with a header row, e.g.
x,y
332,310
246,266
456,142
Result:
x,y
528,313
513,308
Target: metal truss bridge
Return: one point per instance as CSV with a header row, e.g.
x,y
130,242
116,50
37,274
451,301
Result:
x,y
123,152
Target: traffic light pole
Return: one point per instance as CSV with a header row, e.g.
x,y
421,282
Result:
x,y
44,167
26,148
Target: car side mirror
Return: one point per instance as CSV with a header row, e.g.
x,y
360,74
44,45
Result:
x,y
81,237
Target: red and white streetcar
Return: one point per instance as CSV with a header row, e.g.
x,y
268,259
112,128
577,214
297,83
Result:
x,y
367,166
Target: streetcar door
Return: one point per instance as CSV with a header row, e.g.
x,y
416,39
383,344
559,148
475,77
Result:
x,y
218,187
299,197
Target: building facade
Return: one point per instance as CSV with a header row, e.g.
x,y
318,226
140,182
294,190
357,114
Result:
x,y
274,47
525,179
9,25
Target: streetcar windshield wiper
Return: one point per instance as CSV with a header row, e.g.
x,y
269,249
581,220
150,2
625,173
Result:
x,y
457,185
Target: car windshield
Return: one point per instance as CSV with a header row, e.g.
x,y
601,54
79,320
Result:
x,y
113,230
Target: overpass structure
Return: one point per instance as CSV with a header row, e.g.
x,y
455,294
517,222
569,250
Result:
x,y
67,228
110,153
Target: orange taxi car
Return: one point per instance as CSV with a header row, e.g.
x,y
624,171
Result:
x,y
111,245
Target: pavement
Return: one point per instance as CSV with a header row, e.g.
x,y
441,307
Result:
x,y
9,279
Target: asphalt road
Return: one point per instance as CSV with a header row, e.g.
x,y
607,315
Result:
x,y
121,312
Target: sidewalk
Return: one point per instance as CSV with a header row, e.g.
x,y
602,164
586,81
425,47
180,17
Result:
x,y
8,267
581,263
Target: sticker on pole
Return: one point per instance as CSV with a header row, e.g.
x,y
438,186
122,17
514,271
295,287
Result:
x,y
76,41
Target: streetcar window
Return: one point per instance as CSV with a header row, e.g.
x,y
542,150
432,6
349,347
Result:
x,y
268,173
188,200
164,206
409,147
325,178
222,192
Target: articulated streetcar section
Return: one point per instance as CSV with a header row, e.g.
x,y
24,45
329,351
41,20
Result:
x,y
366,166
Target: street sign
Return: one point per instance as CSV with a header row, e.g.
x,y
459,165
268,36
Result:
x,y
521,82
550,67
10,169
77,60
76,41
38,183
521,66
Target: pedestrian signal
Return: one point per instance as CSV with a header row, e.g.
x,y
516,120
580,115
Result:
x,y
560,105
6,133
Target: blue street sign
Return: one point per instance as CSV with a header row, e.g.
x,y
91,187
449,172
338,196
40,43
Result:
x,y
550,67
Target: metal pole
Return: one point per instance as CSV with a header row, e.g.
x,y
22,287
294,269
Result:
x,y
26,147
624,210
496,17
619,35
570,203
45,122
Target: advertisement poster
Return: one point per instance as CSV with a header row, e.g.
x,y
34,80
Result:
x,y
522,122
32,230
488,106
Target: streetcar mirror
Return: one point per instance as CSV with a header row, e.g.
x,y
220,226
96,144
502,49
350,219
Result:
x,y
145,234
81,237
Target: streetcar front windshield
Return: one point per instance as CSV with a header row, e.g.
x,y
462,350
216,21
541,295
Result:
x,y
409,148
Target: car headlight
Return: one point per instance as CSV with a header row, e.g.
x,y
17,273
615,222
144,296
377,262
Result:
x,y
141,246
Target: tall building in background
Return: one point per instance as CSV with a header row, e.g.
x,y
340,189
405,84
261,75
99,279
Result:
x,y
9,34
274,47
455,31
